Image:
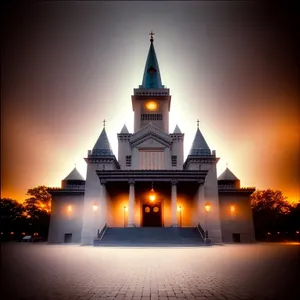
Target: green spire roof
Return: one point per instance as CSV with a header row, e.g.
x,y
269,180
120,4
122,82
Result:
x,y
151,78
102,146
199,146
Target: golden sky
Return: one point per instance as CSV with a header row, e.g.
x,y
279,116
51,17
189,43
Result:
x,y
67,66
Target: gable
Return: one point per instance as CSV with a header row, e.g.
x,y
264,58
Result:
x,y
150,142
150,135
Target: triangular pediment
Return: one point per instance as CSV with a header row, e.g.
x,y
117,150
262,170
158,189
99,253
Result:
x,y
149,143
152,136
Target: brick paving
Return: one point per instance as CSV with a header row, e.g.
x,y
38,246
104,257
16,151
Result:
x,y
41,271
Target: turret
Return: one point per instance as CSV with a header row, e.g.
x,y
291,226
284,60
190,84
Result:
x,y
73,181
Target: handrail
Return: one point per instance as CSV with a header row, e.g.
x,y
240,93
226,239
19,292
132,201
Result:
x,y
102,232
201,231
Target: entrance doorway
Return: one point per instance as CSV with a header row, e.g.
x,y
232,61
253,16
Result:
x,y
236,237
68,238
151,214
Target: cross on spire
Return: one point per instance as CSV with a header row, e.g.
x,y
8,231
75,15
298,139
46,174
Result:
x,y
104,122
198,123
151,36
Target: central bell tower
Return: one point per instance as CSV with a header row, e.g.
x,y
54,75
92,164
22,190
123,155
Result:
x,y
151,101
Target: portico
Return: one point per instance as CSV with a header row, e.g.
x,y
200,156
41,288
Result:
x,y
132,190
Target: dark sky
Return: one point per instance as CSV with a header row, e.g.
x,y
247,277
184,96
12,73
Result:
x,y
65,66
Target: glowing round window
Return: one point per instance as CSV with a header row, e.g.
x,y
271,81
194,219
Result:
x,y
151,105
155,209
147,209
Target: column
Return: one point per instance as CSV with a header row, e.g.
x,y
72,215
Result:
x,y
131,204
174,203
200,205
103,204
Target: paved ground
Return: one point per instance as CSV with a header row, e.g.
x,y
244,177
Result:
x,y
40,271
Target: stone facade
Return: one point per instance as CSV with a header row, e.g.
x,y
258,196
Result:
x,y
150,164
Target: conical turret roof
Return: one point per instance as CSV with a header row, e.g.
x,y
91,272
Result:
x,y
227,175
74,175
102,146
177,129
124,129
151,78
199,146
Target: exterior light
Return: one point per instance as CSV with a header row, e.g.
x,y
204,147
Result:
x,y
152,195
232,209
36,234
269,233
23,233
12,232
69,208
151,105
297,232
207,206
278,232
179,208
125,208
95,207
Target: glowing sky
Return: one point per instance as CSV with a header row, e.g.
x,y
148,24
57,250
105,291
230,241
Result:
x,y
68,65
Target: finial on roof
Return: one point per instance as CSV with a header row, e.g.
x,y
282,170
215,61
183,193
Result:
x,y
151,36
198,123
227,165
104,122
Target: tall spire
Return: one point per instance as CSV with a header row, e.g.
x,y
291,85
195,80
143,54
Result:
x,y
102,146
151,78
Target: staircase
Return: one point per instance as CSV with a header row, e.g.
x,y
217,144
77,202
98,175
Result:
x,y
151,236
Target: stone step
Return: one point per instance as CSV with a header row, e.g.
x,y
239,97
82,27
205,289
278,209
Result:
x,y
151,235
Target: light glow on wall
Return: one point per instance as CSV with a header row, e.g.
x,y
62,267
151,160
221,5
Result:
x,y
95,207
69,208
207,206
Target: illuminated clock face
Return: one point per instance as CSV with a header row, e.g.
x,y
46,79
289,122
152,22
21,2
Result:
x,y
151,105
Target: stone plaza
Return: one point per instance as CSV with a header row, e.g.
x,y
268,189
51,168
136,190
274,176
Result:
x,y
246,271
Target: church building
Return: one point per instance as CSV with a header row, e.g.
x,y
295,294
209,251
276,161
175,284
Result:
x,y
150,186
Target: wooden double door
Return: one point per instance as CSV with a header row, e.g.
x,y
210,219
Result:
x,y
151,215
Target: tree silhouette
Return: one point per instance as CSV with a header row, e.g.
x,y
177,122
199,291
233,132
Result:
x,y
38,208
12,218
271,213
